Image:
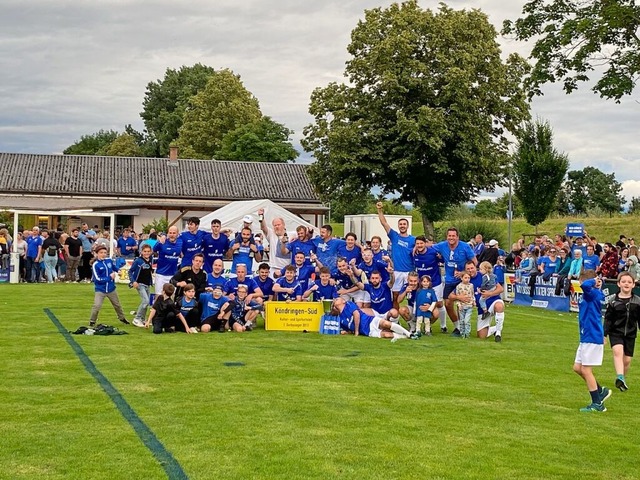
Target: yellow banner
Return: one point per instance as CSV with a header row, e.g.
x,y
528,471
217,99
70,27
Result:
x,y
293,316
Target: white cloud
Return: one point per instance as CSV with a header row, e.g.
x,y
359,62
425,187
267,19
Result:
x,y
69,68
630,189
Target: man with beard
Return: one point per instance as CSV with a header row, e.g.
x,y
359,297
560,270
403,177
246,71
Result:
x,y
244,251
401,251
380,296
193,274
427,262
609,264
327,248
455,255
495,305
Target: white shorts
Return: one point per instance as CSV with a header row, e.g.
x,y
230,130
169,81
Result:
x,y
439,291
160,281
400,278
486,323
360,296
589,354
374,326
366,297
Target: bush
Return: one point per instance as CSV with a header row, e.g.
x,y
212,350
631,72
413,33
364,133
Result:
x,y
160,224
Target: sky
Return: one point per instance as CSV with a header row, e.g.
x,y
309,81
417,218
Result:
x,y
71,68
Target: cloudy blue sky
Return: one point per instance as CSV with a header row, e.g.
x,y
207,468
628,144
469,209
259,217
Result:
x,y
69,68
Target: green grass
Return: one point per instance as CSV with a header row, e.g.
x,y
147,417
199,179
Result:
x,y
604,228
304,406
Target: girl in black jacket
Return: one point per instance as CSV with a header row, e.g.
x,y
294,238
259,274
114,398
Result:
x,y
621,321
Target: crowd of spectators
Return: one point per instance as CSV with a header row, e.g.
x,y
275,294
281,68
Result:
x,y
572,258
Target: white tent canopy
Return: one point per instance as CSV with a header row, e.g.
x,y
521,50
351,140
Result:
x,y
231,216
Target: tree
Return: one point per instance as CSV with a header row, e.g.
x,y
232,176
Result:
x,y
634,206
261,141
93,144
166,100
485,209
222,106
425,113
591,188
353,206
502,206
124,145
574,37
538,168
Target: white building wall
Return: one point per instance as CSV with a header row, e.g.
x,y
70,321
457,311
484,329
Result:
x,y
368,225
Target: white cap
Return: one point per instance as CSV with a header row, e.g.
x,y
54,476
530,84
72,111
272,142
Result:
x,y
493,242
247,219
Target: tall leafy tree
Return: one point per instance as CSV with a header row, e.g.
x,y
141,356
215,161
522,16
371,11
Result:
x,y
591,188
502,206
634,206
124,145
425,113
92,144
261,141
573,37
485,209
539,170
222,106
166,100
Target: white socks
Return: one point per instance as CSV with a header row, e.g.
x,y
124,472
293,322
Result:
x,y
399,329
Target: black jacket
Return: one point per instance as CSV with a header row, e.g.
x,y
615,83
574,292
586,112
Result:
x,y
621,319
186,274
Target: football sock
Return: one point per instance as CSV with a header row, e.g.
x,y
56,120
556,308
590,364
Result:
x,y
595,396
397,328
455,325
443,317
621,377
499,322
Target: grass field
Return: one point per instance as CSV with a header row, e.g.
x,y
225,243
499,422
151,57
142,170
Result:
x,y
302,406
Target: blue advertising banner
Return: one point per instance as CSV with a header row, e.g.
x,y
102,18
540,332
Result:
x,y
574,229
543,297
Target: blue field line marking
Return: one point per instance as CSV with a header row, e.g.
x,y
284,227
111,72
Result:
x,y
164,457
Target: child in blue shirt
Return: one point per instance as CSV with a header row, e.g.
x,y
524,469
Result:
x,y
425,306
215,311
104,274
591,347
489,283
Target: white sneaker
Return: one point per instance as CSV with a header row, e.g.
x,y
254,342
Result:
x,y
138,322
193,330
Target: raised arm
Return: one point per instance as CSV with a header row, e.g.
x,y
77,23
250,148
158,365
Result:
x,y
381,217
263,224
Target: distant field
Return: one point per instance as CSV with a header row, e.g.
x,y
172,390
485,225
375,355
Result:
x,y
604,228
270,405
